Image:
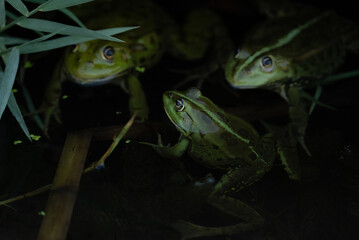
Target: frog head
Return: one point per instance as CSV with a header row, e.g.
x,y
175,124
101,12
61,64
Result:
x,y
191,112
97,62
245,70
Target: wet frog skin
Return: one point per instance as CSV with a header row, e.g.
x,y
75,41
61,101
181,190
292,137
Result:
x,y
101,62
288,50
219,140
288,53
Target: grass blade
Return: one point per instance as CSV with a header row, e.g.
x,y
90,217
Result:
x,y
317,94
14,108
8,78
19,6
58,4
66,41
339,76
10,40
2,14
309,97
72,16
34,41
49,26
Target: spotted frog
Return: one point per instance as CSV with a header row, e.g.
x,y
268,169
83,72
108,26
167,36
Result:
x,y
101,62
220,140
288,53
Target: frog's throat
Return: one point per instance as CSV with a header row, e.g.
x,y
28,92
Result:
x,y
282,41
94,81
184,132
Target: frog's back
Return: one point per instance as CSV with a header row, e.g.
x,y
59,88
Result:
x,y
228,146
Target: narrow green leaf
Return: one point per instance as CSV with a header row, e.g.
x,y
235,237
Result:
x,y
14,108
72,16
309,97
58,4
339,76
48,26
19,6
11,15
66,41
10,40
317,94
31,107
36,1
2,14
8,78
34,41
63,10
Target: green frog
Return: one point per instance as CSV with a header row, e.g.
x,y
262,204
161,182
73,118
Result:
x,y
288,53
101,62
220,140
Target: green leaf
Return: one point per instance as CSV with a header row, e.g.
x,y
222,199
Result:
x,y
31,108
66,41
2,14
36,1
14,108
317,94
316,101
8,78
10,40
36,40
19,6
48,26
58,4
339,76
72,16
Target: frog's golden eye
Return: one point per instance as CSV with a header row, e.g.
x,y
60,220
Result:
x,y
179,105
266,63
108,53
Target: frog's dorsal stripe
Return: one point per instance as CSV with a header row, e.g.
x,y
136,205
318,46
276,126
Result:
x,y
282,41
214,117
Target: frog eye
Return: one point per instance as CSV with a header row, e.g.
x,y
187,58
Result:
x,y
107,53
266,64
179,105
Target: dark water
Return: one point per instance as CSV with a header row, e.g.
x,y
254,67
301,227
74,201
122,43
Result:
x,y
139,193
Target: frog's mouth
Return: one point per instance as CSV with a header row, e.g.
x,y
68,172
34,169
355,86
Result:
x,y
89,82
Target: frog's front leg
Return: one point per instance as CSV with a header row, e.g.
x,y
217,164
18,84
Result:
x,y
50,105
298,115
235,179
137,101
174,151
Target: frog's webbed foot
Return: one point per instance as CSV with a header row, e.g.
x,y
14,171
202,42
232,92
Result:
x,y
229,205
298,115
235,179
286,142
168,151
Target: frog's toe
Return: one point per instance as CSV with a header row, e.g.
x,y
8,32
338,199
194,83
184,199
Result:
x,y
141,114
188,230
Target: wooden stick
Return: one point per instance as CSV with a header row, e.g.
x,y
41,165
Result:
x,y
65,186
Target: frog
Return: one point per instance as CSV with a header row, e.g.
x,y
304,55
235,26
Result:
x,y
220,140
99,62
289,53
